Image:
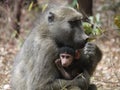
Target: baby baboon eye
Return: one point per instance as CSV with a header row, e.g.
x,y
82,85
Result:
x,y
63,56
67,57
51,17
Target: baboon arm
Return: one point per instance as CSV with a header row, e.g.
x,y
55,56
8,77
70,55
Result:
x,y
90,61
64,73
81,81
94,60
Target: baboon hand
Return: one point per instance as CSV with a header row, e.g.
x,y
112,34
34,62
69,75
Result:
x,y
90,49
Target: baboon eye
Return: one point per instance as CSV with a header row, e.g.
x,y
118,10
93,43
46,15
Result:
x,y
51,17
63,56
79,22
75,23
67,57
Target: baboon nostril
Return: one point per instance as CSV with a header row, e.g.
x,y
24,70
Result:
x,y
87,39
84,42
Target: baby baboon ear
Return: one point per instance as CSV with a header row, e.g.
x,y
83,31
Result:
x,y
51,17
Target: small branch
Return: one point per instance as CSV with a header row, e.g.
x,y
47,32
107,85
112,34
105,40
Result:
x,y
17,16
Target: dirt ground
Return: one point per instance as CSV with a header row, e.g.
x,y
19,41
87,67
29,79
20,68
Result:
x,y
107,74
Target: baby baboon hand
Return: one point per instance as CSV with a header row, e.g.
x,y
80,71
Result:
x,y
84,75
90,49
79,76
58,64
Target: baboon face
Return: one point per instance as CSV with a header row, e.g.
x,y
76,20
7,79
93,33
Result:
x,y
66,59
65,27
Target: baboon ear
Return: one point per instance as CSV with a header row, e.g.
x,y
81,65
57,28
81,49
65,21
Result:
x,y
51,17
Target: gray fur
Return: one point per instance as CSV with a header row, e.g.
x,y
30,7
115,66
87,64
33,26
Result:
x,y
34,67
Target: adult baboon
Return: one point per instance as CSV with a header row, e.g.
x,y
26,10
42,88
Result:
x,y
34,67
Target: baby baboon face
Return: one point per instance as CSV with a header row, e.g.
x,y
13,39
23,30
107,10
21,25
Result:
x,y
66,28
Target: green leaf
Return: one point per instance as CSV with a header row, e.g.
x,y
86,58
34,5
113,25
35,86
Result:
x,y
30,6
93,28
87,27
117,21
74,3
44,7
97,32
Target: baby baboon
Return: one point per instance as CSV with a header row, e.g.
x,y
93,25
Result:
x,y
34,67
70,66
66,63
